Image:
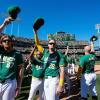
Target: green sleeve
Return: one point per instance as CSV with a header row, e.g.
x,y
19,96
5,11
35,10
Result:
x,y
62,61
82,62
19,58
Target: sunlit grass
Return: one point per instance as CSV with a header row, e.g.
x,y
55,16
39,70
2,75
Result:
x,y
97,87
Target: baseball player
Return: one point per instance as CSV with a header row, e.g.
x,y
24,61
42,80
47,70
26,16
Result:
x,y
71,63
68,71
10,67
36,62
54,71
88,78
53,66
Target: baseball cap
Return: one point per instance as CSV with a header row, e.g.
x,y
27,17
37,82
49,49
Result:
x,y
52,41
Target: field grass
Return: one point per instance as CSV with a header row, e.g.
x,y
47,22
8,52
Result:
x,y
97,87
26,87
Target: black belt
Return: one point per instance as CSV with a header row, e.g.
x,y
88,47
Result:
x,y
2,81
47,77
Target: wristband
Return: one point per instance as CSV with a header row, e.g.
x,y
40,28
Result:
x,y
61,81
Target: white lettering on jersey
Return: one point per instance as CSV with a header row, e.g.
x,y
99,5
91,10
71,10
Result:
x,y
38,67
52,66
9,61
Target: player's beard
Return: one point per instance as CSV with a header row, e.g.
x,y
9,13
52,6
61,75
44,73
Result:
x,y
52,50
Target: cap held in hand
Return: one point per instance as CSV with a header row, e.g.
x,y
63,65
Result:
x,y
38,23
93,38
13,11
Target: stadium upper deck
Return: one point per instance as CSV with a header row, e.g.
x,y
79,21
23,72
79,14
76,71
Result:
x,y
75,47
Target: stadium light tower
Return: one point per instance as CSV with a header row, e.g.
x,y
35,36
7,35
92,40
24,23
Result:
x,y
18,21
98,33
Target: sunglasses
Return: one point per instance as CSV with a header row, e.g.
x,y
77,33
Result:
x,y
52,43
6,40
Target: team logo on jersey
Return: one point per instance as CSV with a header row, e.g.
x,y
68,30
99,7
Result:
x,y
8,61
52,66
92,58
38,67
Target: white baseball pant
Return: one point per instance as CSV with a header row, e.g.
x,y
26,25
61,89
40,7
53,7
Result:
x,y
88,81
50,87
36,84
7,90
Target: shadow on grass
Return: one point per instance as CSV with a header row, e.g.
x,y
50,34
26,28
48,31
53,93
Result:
x,y
23,96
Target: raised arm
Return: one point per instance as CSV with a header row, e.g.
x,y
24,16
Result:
x,y
66,52
32,52
5,23
37,42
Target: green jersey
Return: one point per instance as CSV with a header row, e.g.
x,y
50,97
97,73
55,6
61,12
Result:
x,y
68,59
9,64
87,62
37,68
52,63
